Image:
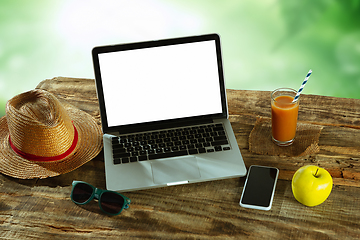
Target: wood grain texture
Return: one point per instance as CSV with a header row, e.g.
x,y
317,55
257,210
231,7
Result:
x,y
42,209
339,141
207,210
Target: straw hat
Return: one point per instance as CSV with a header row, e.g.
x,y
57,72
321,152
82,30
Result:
x,y
41,137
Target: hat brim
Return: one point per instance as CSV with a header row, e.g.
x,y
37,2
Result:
x,y
89,145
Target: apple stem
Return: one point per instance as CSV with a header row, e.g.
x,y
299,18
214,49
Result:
x,y
316,172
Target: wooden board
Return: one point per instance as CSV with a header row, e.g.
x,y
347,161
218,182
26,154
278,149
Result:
x,y
42,209
339,140
210,210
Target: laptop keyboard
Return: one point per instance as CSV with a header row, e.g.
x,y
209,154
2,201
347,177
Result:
x,y
169,143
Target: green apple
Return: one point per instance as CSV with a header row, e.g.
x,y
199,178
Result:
x,y
311,185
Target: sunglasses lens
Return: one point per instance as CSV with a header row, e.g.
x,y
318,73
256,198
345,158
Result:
x,y
111,202
82,193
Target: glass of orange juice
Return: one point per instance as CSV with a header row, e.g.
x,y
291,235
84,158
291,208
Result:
x,y
284,114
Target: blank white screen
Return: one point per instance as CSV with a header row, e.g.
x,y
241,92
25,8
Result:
x,y
160,83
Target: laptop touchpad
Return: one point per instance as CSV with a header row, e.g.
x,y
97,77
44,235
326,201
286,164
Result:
x,y
175,170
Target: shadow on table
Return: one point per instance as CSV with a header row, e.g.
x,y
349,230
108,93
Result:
x,y
92,172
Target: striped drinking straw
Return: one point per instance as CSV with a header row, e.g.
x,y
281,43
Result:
x,y
302,86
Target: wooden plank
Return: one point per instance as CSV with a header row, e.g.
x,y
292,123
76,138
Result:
x,y
339,140
323,110
42,209
313,108
339,152
207,210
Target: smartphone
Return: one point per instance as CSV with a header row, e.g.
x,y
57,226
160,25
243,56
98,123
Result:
x,y
259,188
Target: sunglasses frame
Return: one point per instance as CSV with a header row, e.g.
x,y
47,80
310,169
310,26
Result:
x,y
96,194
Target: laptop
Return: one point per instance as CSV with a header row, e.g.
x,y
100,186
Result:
x,y
164,113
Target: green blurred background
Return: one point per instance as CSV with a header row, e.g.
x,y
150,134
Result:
x,y
266,43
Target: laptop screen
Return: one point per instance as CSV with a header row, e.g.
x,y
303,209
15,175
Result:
x,y
159,83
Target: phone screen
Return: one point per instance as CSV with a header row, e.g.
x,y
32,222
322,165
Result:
x,y
259,187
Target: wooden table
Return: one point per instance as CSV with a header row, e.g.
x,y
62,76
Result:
x,y
42,209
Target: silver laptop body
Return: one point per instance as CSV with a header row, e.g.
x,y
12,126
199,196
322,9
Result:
x,y
164,113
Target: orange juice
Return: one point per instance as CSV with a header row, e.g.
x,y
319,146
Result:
x,y
284,115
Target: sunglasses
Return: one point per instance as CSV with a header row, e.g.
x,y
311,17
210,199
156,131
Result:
x,y
110,202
